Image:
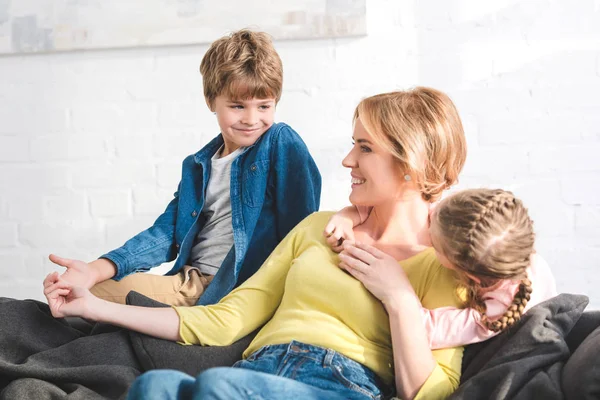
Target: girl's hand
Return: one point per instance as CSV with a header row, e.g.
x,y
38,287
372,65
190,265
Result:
x,y
66,300
338,230
379,272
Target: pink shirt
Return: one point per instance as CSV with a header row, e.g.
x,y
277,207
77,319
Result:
x,y
452,327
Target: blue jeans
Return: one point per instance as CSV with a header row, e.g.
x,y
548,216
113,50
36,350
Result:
x,y
286,371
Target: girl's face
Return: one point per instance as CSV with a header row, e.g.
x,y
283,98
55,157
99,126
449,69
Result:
x,y
376,175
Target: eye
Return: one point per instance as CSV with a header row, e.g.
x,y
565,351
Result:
x,y
236,107
265,107
365,149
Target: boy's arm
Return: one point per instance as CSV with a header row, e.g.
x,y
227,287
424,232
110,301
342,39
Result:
x,y
297,181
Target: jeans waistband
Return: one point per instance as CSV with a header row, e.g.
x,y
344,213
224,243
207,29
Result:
x,y
322,355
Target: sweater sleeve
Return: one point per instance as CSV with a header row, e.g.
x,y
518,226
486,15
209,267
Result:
x,y
246,308
451,327
439,290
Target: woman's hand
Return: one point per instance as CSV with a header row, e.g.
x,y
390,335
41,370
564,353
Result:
x,y
379,272
67,300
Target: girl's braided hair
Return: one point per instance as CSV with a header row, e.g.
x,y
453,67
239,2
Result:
x,y
487,233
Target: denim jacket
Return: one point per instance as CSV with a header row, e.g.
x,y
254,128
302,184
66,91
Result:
x,y
275,183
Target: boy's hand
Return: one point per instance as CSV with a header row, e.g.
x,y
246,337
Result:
x,y
78,273
66,300
337,230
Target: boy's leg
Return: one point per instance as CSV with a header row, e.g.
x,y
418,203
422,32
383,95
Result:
x,y
182,289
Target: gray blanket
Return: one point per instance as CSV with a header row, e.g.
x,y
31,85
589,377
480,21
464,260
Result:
x,y
527,361
45,358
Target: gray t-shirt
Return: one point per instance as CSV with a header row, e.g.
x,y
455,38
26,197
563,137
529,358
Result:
x,y
215,239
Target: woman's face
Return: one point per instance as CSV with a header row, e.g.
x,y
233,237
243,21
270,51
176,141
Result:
x,y
376,174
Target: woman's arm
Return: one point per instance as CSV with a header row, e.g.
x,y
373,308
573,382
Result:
x,y
413,359
162,323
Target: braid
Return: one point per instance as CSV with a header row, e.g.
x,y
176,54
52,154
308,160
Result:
x,y
514,312
487,234
498,203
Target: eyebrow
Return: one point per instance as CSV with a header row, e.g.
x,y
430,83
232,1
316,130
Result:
x,y
244,101
362,141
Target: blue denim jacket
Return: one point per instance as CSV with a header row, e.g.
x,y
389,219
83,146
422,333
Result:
x,y
274,181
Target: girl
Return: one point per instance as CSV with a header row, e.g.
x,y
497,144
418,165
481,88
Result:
x,y
486,237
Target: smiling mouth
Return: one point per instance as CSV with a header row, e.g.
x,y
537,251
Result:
x,y
356,181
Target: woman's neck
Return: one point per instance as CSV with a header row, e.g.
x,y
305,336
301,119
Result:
x,y
402,225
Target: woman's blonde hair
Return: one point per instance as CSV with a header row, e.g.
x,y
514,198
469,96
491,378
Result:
x,y
487,233
422,130
240,66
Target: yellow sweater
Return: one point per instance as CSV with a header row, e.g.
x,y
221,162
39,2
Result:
x,y
301,294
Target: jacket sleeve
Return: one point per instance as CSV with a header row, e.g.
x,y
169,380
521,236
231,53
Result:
x,y
297,181
149,248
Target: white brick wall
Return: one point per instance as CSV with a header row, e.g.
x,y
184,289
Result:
x,y
91,142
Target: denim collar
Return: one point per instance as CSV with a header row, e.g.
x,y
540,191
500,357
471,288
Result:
x,y
204,155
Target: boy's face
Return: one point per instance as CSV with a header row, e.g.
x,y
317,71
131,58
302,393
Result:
x,y
242,122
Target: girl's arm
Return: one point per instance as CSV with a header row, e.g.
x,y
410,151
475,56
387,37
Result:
x,y
340,225
451,327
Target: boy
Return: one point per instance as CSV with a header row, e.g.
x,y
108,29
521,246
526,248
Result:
x,y
237,198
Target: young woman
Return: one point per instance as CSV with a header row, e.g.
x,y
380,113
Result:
x,y
325,334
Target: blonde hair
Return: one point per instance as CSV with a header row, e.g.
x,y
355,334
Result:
x,y
242,65
487,233
422,130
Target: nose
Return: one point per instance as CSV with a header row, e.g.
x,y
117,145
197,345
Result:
x,y
349,161
250,116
